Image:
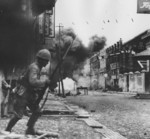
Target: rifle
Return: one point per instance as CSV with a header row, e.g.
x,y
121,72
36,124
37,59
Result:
x,y
52,75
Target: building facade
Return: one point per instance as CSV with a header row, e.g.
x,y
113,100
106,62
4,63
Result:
x,y
123,66
114,65
128,70
102,69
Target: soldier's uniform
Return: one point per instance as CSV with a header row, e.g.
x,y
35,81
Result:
x,y
30,88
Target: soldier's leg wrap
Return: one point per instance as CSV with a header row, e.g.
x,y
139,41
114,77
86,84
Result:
x,y
12,123
19,107
34,107
32,120
30,125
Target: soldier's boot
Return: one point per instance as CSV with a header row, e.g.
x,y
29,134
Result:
x,y
11,123
30,129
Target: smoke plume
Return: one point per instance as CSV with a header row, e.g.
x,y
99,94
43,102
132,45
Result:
x,y
74,64
82,75
97,43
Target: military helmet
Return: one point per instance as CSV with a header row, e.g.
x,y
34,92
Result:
x,y
44,54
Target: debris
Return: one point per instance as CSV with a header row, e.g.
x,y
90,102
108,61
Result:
x,y
92,110
46,134
8,135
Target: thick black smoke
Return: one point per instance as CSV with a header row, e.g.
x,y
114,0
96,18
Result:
x,y
97,43
78,52
66,38
82,75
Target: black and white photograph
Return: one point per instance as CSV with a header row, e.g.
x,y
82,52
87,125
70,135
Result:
x,y
74,69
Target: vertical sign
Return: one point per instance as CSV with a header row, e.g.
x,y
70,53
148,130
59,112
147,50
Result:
x,y
47,23
41,24
52,24
41,28
148,65
143,6
49,26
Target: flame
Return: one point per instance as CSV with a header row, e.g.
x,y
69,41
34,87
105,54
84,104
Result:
x,y
82,75
69,84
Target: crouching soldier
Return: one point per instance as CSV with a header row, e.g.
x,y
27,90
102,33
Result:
x,y
28,92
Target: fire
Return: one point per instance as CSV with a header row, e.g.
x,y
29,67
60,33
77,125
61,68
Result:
x,y
82,75
69,84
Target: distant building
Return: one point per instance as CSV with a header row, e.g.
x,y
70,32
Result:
x,y
114,65
102,69
128,64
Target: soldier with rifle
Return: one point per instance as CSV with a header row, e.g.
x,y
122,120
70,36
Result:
x,y
29,92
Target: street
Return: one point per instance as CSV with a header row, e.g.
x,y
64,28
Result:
x,y
120,112
57,119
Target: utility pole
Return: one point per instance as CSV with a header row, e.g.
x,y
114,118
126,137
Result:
x,y
59,59
90,76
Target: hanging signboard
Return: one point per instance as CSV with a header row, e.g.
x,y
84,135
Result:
x,y
143,6
52,25
49,26
114,66
41,28
41,23
46,25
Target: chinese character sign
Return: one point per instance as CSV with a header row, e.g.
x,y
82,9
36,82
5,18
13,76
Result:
x,y
143,6
46,26
41,23
52,26
49,24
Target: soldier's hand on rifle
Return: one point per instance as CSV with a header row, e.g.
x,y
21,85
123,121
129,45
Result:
x,y
8,86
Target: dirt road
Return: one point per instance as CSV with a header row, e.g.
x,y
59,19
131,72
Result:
x,y
120,112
